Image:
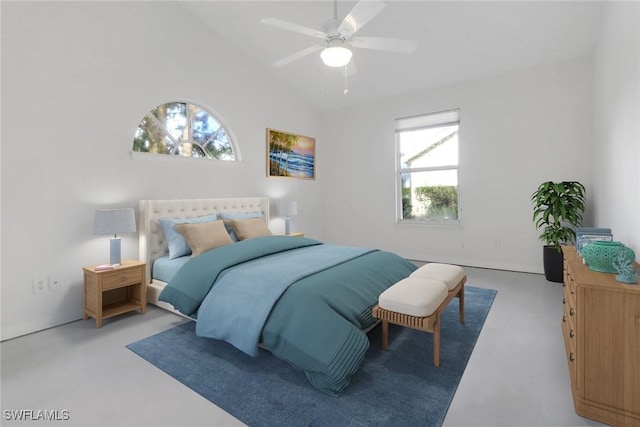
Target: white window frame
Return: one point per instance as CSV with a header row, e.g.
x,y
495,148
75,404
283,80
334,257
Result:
x,y
425,121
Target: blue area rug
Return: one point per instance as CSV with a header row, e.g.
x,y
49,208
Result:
x,y
399,387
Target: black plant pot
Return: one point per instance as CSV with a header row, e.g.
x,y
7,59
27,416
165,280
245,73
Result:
x,y
553,264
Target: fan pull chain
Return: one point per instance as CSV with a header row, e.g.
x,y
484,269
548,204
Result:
x,y
346,80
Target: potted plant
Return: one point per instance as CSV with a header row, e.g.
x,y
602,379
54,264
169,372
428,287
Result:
x,y
558,208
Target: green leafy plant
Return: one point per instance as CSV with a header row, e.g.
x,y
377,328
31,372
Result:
x,y
407,207
558,208
443,198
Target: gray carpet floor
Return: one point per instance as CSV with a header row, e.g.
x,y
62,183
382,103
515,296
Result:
x,y
516,376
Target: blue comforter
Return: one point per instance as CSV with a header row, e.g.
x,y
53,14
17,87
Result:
x,y
237,307
307,302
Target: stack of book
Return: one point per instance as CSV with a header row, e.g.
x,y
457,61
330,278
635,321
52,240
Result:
x,y
588,235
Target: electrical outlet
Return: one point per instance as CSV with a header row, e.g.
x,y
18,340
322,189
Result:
x,y
39,285
54,284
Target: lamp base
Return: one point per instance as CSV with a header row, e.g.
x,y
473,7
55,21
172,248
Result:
x,y
287,225
114,254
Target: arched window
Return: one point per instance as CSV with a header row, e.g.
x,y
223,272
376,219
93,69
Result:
x,y
184,129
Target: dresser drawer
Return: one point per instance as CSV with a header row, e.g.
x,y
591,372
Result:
x,y
569,325
569,283
570,346
569,322
118,279
569,306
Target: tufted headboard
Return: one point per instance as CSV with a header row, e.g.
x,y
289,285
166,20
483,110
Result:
x,y
152,241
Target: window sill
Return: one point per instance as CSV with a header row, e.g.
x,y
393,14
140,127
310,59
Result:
x,y
173,158
444,223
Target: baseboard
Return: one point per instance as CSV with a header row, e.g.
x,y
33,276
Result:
x,y
492,265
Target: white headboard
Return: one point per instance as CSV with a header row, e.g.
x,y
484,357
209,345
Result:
x,y
152,241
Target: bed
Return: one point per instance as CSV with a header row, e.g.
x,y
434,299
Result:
x,y
153,243
305,301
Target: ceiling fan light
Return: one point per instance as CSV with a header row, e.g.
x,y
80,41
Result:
x,y
336,56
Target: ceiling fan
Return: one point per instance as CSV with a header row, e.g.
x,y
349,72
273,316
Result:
x,y
338,36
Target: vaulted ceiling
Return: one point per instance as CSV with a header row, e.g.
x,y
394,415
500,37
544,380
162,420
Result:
x,y
457,41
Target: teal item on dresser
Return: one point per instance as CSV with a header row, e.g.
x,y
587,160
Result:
x,y
600,255
623,263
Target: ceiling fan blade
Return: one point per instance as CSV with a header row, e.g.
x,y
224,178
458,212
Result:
x,y
297,55
361,13
294,27
383,43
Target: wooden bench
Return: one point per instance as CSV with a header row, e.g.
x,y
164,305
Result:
x,y
418,301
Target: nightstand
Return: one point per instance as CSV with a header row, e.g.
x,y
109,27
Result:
x,y
109,293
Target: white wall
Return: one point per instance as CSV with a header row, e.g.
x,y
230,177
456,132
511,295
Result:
x,y
616,147
77,78
516,131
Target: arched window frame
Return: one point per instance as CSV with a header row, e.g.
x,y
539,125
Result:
x,y
184,145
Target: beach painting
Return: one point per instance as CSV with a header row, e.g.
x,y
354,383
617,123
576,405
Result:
x,y
290,155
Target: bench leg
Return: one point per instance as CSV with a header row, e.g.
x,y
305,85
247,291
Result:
x,y
436,341
385,335
461,300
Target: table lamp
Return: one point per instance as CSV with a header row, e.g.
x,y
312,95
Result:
x,y
114,222
290,209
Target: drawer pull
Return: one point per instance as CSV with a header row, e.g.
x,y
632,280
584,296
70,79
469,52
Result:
x,y
564,319
123,278
572,358
564,300
572,334
572,312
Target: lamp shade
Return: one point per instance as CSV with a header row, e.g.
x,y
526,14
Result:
x,y
114,221
336,56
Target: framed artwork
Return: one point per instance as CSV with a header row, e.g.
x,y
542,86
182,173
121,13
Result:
x,y
290,155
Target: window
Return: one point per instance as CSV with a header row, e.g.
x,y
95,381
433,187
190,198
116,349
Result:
x,y
184,129
427,167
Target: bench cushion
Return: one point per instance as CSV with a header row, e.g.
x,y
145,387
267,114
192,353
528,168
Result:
x,y
415,296
449,274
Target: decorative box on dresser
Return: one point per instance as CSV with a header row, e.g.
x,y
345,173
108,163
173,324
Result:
x,y
601,330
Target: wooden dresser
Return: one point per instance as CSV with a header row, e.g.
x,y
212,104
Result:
x,y
601,330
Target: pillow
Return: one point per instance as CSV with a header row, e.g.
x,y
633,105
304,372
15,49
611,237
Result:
x,y
230,216
177,245
204,237
249,228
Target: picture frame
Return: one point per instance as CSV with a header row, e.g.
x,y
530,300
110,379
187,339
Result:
x,y
290,155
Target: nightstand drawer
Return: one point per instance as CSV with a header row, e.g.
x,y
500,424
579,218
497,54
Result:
x,y
118,279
